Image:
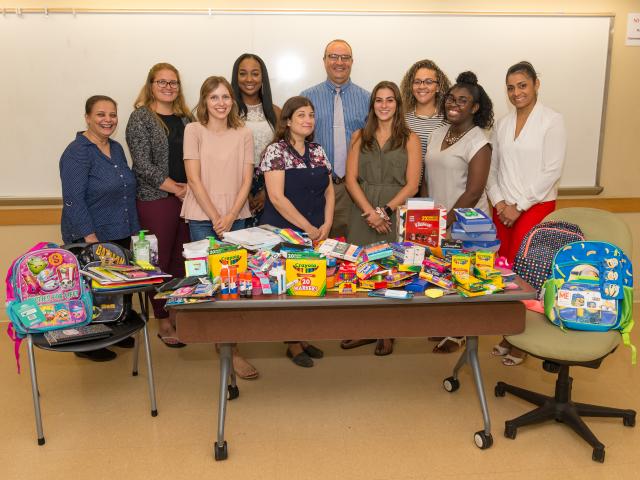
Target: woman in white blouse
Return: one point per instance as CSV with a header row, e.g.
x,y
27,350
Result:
x,y
528,154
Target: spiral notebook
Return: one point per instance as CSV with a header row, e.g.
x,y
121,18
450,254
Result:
x,y
77,334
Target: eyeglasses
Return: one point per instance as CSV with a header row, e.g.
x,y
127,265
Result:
x,y
335,57
427,82
459,101
167,83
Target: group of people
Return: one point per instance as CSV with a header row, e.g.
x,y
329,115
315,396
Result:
x,y
334,161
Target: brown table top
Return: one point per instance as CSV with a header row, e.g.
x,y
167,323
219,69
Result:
x,y
278,318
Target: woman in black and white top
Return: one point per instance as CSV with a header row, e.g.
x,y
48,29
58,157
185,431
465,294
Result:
x,y
154,135
423,87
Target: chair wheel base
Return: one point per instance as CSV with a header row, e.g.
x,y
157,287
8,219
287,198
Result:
x,y
510,431
41,441
598,454
233,392
220,452
154,413
483,440
451,384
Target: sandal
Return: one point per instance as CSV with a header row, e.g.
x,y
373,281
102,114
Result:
x,y
510,360
349,344
382,350
500,351
449,345
171,342
243,369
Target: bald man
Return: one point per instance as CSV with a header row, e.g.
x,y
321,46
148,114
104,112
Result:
x,y
333,131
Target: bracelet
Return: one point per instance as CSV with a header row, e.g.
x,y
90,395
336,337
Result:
x,y
383,214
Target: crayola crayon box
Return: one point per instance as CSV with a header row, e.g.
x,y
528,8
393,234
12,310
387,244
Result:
x,y
226,254
306,274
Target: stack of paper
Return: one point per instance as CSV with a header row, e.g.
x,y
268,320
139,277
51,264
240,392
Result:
x,y
254,238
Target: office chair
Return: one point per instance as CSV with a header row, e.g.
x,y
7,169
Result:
x,y
559,350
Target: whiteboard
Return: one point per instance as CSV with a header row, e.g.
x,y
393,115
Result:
x,y
52,64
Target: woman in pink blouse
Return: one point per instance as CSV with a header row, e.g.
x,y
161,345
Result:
x,y
218,158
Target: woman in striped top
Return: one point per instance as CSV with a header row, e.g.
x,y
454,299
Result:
x,y
423,87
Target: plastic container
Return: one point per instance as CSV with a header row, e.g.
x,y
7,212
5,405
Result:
x,y
142,248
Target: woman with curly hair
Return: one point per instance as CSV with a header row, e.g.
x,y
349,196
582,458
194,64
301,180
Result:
x,y
459,157
423,88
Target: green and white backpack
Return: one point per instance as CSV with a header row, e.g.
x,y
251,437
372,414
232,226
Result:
x,y
591,288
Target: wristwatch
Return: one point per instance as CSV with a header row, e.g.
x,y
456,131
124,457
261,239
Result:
x,y
388,210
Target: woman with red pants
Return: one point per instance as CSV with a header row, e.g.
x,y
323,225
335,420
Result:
x,y
528,154
155,133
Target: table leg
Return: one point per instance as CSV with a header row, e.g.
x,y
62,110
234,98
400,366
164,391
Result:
x,y
483,438
136,350
220,448
35,391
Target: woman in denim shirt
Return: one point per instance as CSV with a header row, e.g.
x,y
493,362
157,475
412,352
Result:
x,y
98,188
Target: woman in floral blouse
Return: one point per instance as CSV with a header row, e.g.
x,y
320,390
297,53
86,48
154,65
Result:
x,y
297,175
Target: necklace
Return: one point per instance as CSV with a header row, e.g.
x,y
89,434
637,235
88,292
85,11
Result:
x,y
451,138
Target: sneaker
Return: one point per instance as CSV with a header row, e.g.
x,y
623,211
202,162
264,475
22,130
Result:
x,y
100,355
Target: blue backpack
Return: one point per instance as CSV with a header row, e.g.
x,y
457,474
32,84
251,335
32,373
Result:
x,y
591,288
45,291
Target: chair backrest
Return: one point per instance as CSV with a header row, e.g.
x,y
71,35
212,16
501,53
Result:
x,y
598,224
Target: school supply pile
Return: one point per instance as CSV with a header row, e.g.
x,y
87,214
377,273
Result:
x,y
591,288
188,290
475,230
254,238
423,222
107,277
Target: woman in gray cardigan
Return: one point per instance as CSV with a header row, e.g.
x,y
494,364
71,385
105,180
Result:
x,y
154,135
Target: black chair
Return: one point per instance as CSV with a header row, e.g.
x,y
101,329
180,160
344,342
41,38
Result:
x,y
559,350
131,323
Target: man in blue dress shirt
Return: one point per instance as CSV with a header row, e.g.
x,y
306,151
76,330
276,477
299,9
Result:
x,y
333,131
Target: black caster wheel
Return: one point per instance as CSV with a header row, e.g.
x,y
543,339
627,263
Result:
x,y
482,440
220,452
451,384
154,413
41,441
134,374
510,431
234,392
598,454
629,420
499,391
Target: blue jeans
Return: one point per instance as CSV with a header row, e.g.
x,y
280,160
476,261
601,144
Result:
x,y
201,229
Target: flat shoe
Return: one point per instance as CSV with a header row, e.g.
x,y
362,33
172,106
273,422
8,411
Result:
x,y
100,355
172,342
349,344
499,350
380,350
511,361
301,359
128,342
313,352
